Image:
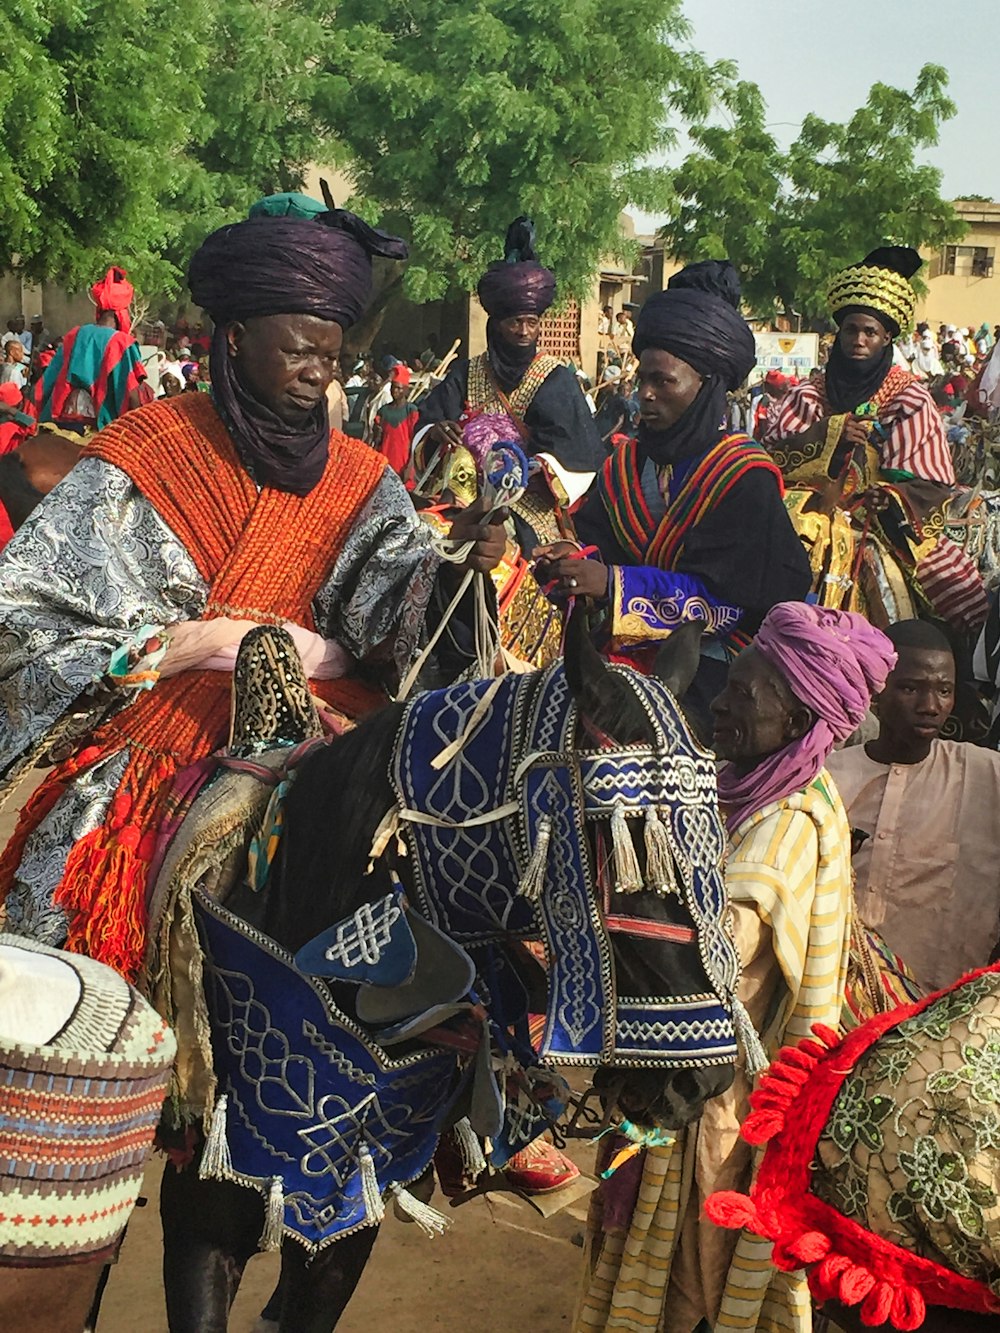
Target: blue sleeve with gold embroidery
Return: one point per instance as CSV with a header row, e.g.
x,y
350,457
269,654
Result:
x,y
648,603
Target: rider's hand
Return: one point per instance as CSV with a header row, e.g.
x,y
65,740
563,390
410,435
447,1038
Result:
x,y
544,555
876,501
490,538
856,430
448,433
574,578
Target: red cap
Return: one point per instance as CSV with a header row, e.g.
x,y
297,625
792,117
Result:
x,y
775,380
401,374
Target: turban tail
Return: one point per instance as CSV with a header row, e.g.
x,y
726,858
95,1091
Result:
x,y
833,662
114,292
522,288
697,320
283,265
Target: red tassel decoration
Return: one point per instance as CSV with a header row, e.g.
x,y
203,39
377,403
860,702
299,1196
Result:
x,y
810,1247
729,1209
824,1281
909,1310
826,1035
877,1305
760,1126
855,1284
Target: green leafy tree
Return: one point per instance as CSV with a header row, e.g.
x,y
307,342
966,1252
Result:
x,y
456,118
790,219
128,135
97,116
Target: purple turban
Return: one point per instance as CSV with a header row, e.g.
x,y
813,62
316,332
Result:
x,y
523,288
698,320
283,265
833,662
290,266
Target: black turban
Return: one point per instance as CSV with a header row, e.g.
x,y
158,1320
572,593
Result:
x,y
290,266
698,320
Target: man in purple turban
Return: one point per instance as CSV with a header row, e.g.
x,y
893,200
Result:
x,y
514,392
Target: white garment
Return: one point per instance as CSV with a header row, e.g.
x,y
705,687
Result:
x,y
38,995
14,372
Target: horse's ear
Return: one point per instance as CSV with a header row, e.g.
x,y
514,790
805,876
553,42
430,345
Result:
x,y
601,695
677,661
588,677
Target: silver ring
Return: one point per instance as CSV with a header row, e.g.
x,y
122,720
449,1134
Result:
x,y
571,583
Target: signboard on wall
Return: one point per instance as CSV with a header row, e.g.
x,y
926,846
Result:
x,y
791,353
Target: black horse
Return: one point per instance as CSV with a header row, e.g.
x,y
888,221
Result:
x,y
321,875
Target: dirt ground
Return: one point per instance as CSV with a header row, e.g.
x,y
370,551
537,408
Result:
x,y
499,1268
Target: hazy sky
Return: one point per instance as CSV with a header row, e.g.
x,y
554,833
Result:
x,y
824,58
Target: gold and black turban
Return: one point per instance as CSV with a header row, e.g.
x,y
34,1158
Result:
x,y
880,286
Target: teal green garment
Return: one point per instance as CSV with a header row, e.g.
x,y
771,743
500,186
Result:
x,y
289,204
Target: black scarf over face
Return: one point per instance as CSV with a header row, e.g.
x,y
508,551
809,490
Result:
x,y
697,429
508,361
849,383
289,458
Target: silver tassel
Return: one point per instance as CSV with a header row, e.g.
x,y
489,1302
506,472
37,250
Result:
x,y
628,876
370,1192
746,1033
661,875
473,1161
274,1216
533,880
428,1219
216,1163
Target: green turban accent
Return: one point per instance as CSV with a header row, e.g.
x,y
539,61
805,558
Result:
x,y
289,204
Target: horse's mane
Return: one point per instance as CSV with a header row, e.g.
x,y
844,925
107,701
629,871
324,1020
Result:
x,y
340,794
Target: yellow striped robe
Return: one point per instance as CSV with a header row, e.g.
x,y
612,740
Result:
x,y
790,863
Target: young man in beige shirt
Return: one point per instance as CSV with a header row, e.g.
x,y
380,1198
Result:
x,y
926,813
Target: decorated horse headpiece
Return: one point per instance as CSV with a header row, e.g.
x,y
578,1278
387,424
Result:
x,y
498,800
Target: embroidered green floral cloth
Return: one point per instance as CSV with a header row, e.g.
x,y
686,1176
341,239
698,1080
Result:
x,y
910,1150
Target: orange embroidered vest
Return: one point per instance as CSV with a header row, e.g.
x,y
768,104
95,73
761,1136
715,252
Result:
x,y
264,556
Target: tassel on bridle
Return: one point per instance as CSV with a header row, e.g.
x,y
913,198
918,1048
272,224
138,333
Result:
x,y
370,1192
274,1216
661,874
533,880
628,875
746,1033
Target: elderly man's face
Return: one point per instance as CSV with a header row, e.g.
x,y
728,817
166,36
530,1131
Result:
x,y
286,362
667,388
756,714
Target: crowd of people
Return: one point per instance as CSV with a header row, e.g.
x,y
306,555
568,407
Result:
x,y
267,484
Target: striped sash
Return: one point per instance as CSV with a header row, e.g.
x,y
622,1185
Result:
x,y
706,485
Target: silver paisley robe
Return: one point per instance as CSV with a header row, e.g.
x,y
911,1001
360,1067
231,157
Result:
x,y
95,563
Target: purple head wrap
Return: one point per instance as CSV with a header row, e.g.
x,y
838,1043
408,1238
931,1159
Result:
x,y
287,265
833,662
524,288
